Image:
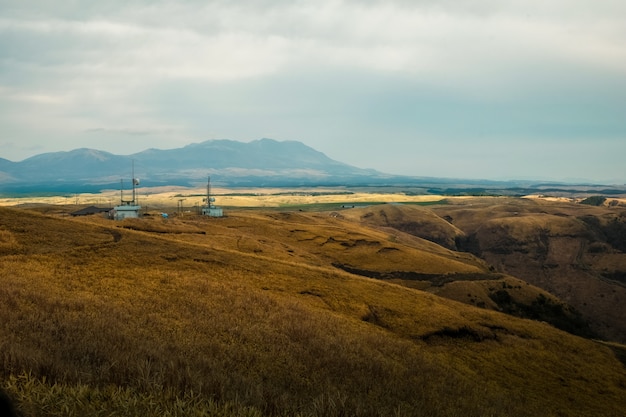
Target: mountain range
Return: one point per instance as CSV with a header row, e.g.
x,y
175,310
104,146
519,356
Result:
x,y
260,163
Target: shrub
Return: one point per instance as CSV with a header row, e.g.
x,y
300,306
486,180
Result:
x,y
594,200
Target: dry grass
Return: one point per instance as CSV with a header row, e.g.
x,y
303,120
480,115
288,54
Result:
x,y
574,251
250,319
414,220
168,197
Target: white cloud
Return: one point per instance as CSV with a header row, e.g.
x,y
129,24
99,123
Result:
x,y
30,97
224,40
318,71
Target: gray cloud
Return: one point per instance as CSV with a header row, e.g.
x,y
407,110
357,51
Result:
x,y
399,76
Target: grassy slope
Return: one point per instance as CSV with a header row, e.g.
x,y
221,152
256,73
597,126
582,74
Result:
x,y
574,251
247,318
482,288
415,220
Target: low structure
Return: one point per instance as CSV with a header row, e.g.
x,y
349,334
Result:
x,y
125,211
212,211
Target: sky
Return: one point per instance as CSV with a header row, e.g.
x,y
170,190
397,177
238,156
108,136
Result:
x,y
484,89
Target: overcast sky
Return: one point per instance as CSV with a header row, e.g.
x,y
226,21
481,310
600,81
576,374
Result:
x,y
494,89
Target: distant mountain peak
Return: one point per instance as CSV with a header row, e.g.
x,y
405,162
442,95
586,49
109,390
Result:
x,y
263,161
74,153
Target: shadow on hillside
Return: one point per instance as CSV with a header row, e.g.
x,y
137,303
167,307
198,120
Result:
x,y
6,406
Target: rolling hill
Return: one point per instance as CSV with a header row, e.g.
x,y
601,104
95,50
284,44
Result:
x,y
267,313
574,251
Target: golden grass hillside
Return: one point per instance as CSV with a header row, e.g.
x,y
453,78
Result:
x,y
415,220
576,252
479,286
240,317
341,239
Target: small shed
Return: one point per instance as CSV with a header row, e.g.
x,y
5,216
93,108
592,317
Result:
x,y
128,211
212,211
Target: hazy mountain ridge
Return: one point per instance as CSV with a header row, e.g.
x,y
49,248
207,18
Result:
x,y
227,161
263,162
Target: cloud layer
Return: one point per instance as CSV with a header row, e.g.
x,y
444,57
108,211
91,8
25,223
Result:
x,y
410,87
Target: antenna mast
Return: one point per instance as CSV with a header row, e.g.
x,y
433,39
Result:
x,y
210,209
135,182
127,208
208,192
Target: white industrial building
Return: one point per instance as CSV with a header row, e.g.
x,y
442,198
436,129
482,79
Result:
x,y
125,211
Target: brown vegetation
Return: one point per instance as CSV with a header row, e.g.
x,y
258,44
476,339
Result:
x,y
247,316
575,252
